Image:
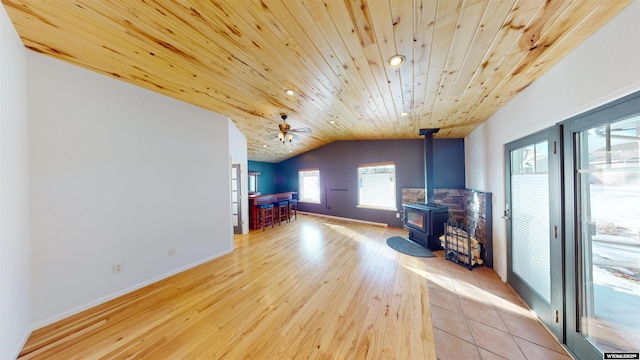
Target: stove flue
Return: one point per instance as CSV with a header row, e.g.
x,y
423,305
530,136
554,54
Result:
x,y
428,164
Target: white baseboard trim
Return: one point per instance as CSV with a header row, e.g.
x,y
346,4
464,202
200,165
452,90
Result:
x,y
345,219
112,296
21,344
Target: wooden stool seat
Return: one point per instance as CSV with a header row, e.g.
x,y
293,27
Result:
x,y
293,209
265,215
282,211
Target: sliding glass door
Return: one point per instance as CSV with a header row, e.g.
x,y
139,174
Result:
x,y
603,247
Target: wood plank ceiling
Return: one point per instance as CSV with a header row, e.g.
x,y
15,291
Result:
x,y
464,58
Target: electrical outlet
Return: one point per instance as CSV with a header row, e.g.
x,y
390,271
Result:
x,y
117,268
397,215
172,252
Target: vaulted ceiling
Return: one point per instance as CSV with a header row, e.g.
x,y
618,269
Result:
x,y
464,58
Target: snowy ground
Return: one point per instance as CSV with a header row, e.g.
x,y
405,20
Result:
x,y
616,259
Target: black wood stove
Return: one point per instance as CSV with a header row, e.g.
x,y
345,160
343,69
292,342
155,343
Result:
x,y
425,221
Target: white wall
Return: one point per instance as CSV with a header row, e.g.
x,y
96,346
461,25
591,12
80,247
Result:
x,y
15,319
119,174
238,150
603,68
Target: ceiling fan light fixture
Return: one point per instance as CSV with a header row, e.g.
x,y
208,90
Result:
x,y
289,92
286,132
395,61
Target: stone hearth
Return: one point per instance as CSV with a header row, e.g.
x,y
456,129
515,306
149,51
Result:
x,y
467,207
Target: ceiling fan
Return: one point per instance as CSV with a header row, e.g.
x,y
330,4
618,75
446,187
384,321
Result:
x,y
286,132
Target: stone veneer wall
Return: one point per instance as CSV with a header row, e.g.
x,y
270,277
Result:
x,y
469,208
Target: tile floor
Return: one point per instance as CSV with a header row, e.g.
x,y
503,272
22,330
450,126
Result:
x,y
477,316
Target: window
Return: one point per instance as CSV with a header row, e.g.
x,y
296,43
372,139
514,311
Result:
x,y
377,186
309,186
253,182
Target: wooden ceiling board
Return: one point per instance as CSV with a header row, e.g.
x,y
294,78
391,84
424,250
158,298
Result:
x,y
352,81
549,49
557,36
446,21
386,44
497,65
467,23
363,66
425,13
334,70
290,36
475,57
465,59
403,26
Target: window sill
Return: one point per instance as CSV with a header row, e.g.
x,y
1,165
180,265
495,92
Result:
x,y
376,207
309,201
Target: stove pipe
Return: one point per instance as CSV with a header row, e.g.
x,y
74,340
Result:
x,y
428,164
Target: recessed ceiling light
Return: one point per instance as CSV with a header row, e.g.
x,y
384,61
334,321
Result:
x,y
332,122
404,113
395,61
264,146
289,92
290,151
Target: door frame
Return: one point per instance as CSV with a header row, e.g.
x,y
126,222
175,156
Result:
x,y
553,314
617,109
237,229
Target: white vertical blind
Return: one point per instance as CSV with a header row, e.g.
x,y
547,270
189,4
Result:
x,y
530,231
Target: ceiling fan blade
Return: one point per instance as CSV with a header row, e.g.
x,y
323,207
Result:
x,y
302,130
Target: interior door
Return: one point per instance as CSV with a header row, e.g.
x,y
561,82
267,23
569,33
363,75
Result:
x,y
534,224
603,251
236,199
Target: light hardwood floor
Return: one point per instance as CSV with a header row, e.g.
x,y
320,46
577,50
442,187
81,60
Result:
x,y
313,288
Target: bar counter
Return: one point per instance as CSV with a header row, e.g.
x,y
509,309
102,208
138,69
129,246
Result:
x,y
265,199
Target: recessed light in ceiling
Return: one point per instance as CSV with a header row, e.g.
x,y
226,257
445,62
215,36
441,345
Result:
x,y
332,122
395,61
290,151
289,92
264,146
404,114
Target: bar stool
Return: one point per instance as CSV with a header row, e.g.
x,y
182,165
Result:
x,y
282,211
293,209
265,215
